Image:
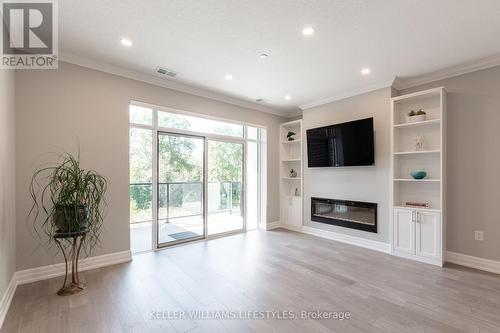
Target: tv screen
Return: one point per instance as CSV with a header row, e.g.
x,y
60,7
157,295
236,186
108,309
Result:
x,y
346,144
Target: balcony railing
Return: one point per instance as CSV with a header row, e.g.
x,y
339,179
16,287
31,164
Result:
x,y
183,199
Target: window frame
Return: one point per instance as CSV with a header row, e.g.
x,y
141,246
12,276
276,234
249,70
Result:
x,y
261,141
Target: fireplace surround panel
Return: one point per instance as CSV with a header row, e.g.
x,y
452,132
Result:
x,y
345,213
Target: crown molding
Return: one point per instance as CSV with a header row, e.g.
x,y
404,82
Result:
x,y
401,83
294,114
347,94
165,83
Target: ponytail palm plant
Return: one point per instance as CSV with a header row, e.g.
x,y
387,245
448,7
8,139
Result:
x,y
68,200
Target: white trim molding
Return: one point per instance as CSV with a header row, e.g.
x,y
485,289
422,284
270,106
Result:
x,y
401,83
352,240
347,94
270,225
170,84
50,271
468,67
398,83
487,265
7,299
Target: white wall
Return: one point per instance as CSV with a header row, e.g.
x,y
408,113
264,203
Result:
x,y
353,183
473,161
7,177
59,109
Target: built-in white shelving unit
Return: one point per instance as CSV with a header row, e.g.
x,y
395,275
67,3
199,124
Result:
x,y
419,233
291,187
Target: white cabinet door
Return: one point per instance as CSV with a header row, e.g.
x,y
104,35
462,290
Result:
x,y
292,211
404,231
293,208
284,210
428,234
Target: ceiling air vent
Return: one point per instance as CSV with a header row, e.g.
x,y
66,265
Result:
x,y
165,71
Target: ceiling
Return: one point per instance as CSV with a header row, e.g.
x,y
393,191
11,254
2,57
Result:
x,y
205,40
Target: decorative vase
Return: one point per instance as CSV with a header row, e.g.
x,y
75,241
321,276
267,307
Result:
x,y
418,174
293,173
419,143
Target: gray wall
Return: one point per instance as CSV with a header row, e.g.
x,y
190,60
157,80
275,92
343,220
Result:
x,y
473,161
353,183
7,176
59,109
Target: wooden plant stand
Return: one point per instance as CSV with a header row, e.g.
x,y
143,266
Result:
x,y
76,240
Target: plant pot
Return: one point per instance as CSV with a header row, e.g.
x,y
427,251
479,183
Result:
x,y
70,218
416,118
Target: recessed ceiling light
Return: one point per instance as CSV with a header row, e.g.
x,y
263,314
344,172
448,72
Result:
x,y
126,42
228,77
365,71
263,55
288,97
308,31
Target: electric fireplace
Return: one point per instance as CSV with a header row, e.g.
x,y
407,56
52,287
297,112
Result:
x,y
345,213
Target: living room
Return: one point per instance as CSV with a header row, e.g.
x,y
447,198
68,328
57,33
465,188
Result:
x,y
249,166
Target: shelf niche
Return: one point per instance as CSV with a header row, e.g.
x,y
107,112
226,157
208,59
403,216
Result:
x,y
291,188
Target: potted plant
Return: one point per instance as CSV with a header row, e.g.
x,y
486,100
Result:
x,y
290,136
68,200
416,116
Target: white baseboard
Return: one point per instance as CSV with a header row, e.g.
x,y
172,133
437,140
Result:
x,y
50,271
7,297
270,225
353,240
487,265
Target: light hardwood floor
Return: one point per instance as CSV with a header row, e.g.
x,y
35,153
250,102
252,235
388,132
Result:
x,y
275,270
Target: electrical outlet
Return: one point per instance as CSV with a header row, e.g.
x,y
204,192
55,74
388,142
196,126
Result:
x,y
478,235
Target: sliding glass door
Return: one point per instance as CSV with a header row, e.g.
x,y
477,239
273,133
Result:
x,y
225,187
181,188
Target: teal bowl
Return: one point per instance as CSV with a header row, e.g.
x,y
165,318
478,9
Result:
x,y
418,174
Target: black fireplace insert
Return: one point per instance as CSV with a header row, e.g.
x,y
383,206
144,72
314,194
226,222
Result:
x,y
350,214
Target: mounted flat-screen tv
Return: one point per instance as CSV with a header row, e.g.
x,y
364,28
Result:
x,y
341,145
